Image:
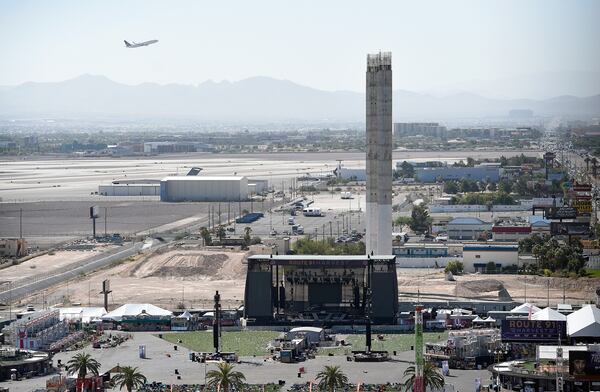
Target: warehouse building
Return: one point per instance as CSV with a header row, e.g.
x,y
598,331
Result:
x,y
201,188
483,172
467,228
476,256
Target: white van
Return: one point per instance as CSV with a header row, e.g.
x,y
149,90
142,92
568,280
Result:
x,y
291,220
312,211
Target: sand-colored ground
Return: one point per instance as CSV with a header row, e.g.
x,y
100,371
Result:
x,y
190,275
165,278
431,284
45,263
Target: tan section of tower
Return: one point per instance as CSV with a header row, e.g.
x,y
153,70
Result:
x,y
379,153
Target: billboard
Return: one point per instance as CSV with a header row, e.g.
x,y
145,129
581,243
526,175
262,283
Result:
x,y
584,365
570,228
561,213
533,331
94,212
582,206
582,187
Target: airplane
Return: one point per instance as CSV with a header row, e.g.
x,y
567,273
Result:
x,y
134,45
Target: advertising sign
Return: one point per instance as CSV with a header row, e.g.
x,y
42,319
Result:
x,y
582,187
94,212
561,213
569,228
584,365
533,331
582,206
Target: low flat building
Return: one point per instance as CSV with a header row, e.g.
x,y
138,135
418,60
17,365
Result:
x,y
467,228
510,233
476,256
444,173
203,188
13,247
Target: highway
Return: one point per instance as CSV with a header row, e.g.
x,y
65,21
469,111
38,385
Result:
x,y
25,287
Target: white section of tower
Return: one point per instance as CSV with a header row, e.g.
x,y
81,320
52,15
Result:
x,y
379,153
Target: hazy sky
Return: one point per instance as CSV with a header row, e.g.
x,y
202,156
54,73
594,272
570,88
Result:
x,y
321,44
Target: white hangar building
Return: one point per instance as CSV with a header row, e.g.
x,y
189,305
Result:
x,y
203,188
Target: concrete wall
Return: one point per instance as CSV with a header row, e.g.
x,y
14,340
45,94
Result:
x,y
129,190
424,262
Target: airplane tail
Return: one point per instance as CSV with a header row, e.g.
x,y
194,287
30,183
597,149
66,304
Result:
x,y
127,44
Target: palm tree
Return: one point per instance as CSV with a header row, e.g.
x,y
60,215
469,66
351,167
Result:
x,y
587,164
331,377
225,377
431,377
247,235
83,364
130,378
221,233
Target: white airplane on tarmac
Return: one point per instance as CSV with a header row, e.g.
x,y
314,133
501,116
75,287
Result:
x,y
134,45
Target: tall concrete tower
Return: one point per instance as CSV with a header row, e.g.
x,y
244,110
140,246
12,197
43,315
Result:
x,y
379,153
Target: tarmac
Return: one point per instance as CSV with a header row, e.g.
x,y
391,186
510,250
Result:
x,y
162,361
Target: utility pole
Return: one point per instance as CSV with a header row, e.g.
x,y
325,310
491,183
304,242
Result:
x,y
20,223
105,216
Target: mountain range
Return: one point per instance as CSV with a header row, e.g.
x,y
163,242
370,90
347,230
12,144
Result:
x,y
258,99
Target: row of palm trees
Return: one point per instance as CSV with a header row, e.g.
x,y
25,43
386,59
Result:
x,y
128,377
225,377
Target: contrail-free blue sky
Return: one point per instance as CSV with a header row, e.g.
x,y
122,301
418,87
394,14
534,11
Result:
x,y
321,44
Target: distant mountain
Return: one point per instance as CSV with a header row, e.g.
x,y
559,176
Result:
x,y
255,99
540,85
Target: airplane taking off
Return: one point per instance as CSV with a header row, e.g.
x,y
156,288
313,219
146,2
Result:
x,y
134,45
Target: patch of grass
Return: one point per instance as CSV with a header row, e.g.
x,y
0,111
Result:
x,y
593,273
390,342
244,343
247,343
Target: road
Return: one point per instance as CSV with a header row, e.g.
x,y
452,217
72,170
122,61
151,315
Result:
x,y
25,287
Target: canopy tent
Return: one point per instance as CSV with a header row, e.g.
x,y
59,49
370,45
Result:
x,y
478,320
548,314
526,308
489,320
185,315
584,323
83,314
132,310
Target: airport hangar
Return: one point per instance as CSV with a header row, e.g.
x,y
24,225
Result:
x,y
321,290
189,188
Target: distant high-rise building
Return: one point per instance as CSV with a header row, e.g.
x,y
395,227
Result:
x,y
379,154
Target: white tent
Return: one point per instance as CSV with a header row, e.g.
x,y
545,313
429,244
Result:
x,y
82,314
478,320
136,310
548,314
584,323
186,315
526,308
489,320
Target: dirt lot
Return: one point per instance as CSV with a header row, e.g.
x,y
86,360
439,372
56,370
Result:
x,y
164,278
192,274
432,285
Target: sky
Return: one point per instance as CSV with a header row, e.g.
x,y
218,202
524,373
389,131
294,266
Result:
x,y
435,45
